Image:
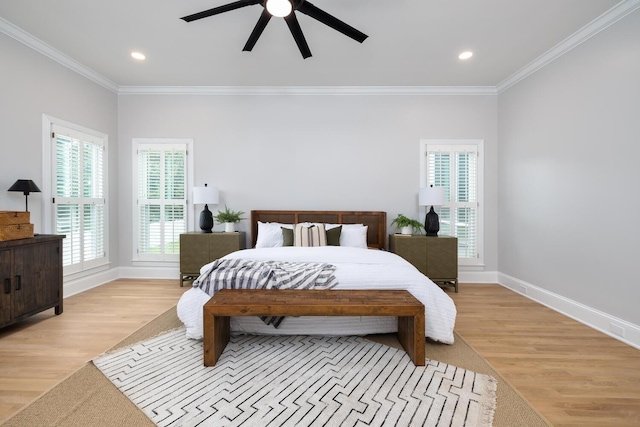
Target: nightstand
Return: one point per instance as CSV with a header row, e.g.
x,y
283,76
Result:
x,y
198,249
435,257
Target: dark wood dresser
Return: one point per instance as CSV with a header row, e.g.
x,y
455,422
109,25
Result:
x,y
31,275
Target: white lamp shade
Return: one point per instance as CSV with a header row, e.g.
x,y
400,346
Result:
x,y
205,195
431,196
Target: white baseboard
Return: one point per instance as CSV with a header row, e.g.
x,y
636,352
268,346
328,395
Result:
x,y
471,276
85,283
150,272
76,286
616,328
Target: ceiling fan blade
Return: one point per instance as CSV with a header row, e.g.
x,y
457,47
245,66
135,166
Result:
x,y
257,30
220,9
296,32
333,22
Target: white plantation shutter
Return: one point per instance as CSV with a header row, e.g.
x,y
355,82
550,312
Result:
x,y
161,203
78,197
455,167
439,175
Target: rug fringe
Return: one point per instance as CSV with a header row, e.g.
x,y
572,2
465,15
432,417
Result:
x,y
488,408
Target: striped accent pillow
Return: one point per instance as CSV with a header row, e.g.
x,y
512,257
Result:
x,y
309,235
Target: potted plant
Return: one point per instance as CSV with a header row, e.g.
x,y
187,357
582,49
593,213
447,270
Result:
x,y
229,218
407,225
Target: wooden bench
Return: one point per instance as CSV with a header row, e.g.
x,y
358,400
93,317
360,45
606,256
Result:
x,y
269,302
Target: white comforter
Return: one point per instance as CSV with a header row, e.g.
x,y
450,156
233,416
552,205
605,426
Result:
x,y
355,269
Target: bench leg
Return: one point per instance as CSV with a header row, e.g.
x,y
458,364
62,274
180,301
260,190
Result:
x,y
411,336
216,335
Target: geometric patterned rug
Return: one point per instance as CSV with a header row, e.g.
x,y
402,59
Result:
x,y
296,381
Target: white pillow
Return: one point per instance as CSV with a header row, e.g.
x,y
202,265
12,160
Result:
x,y
352,235
270,234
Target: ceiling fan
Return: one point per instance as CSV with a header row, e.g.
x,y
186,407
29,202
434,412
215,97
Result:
x,y
285,9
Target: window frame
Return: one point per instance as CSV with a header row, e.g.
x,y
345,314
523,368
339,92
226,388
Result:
x,y
84,268
150,260
478,261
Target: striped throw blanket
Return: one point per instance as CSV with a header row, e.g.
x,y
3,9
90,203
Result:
x,y
251,274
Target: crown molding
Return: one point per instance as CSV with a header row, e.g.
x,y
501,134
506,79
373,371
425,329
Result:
x,y
22,36
308,90
39,46
614,14
605,20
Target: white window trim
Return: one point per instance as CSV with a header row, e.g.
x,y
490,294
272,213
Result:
x,y
137,261
479,143
47,188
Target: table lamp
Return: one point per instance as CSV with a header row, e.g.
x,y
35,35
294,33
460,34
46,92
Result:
x,y
204,196
26,186
431,196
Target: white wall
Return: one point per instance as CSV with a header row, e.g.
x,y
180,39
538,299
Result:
x,y
562,185
336,152
32,85
568,165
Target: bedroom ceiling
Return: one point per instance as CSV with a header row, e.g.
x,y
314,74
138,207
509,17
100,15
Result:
x,y
411,42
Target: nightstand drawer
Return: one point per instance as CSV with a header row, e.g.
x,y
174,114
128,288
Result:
x,y
442,258
194,252
411,248
435,257
198,249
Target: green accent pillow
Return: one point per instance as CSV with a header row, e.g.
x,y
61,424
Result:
x,y
287,236
333,236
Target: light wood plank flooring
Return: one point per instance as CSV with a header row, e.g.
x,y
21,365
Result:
x,y
39,352
572,374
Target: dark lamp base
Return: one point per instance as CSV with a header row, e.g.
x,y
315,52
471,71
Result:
x,y
432,223
206,220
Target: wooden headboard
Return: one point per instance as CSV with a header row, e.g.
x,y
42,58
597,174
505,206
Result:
x,y
376,221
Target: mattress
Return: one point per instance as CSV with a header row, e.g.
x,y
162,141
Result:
x,y
356,268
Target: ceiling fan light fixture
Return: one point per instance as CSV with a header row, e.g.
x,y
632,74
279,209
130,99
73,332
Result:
x,y
284,9
279,8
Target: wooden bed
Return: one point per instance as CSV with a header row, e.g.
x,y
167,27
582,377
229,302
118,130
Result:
x,y
357,269
376,221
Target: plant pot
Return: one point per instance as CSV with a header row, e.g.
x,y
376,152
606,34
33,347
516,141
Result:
x,y
229,227
406,230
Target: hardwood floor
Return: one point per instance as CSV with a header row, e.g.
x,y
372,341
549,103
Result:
x,y
572,374
41,351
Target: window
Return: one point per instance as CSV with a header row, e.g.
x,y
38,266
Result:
x,y
78,196
161,203
456,166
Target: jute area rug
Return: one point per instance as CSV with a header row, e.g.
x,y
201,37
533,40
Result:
x,y
88,398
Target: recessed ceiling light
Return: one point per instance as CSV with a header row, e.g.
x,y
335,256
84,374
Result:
x,y
138,55
465,55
